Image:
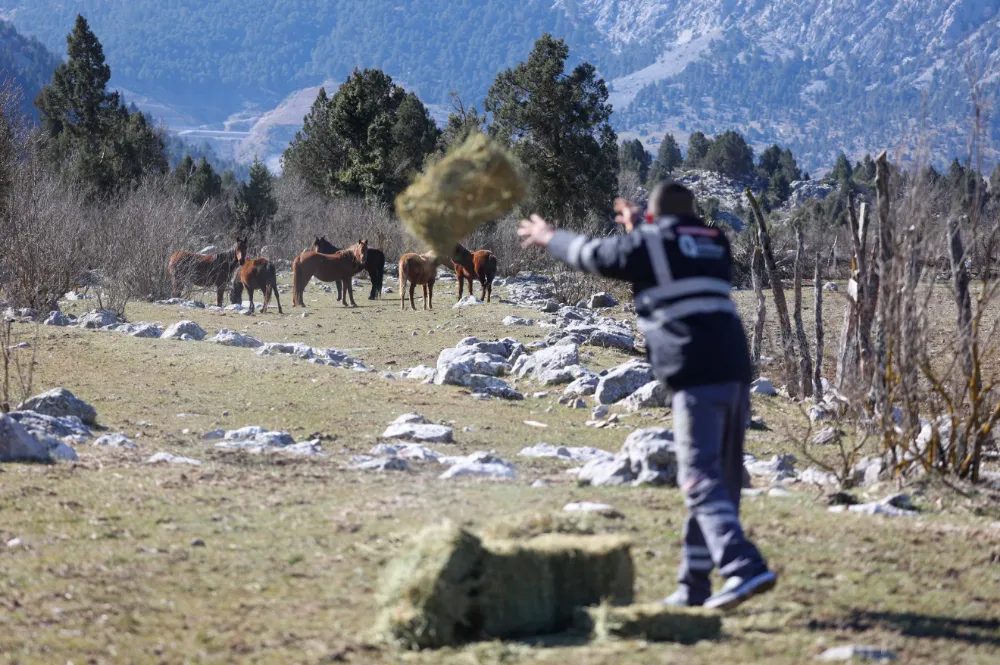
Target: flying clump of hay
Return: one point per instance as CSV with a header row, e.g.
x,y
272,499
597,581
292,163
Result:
x,y
474,183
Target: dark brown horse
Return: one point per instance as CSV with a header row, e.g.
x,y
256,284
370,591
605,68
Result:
x,y
418,269
341,266
206,270
256,274
481,265
374,264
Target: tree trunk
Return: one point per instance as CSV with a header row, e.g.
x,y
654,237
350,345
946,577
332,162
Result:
x,y
756,272
805,361
778,293
879,395
818,285
963,305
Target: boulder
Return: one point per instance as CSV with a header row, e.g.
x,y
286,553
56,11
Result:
x,y
763,386
600,472
16,445
181,328
779,465
517,321
652,455
456,365
549,306
814,476
600,300
383,464
652,394
228,337
297,349
870,470
40,425
467,301
418,373
496,347
97,319
555,377
410,419
60,402
622,381
550,358
413,451
481,465
831,286
170,458
419,433
118,440
491,386
611,339
57,319
582,387
581,454
141,330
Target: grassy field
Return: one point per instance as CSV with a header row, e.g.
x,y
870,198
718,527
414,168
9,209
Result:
x,y
107,571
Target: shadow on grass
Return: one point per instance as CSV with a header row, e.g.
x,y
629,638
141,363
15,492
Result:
x,y
911,624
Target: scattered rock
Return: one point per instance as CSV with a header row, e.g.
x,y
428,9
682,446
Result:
x,y
652,455
383,464
228,337
779,465
599,411
197,542
181,328
547,360
413,451
870,470
606,472
410,419
467,301
580,454
140,330
815,476
297,349
610,339
652,394
517,321
57,319
852,652
763,386
418,373
831,286
17,445
481,464
825,436
491,386
119,440
40,425
593,507
582,387
555,377
60,402
602,299
419,433
214,435
97,319
622,381
14,542
170,458
818,412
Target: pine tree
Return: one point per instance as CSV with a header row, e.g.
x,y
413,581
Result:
x,y
198,182
315,151
668,158
558,125
255,206
730,154
842,169
632,156
698,147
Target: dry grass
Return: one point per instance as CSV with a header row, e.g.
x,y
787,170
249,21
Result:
x,y
107,573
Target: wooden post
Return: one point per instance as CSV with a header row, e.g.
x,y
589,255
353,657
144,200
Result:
x,y
818,285
963,305
805,362
881,381
756,272
778,293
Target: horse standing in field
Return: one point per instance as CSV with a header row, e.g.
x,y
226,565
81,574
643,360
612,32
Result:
x,y
418,269
481,265
257,274
206,270
374,264
339,266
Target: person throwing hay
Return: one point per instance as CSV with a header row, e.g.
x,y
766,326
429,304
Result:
x,y
680,270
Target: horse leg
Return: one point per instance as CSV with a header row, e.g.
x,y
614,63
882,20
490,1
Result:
x,y
402,291
423,287
461,283
430,294
340,290
413,305
349,291
250,295
218,294
483,284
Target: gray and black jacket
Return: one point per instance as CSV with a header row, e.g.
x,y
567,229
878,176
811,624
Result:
x,y
681,273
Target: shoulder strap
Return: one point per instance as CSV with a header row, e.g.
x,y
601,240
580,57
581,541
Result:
x,y
657,255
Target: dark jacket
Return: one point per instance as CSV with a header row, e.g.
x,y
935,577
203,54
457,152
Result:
x,y
681,273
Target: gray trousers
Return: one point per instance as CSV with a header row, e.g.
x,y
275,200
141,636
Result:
x,y
709,426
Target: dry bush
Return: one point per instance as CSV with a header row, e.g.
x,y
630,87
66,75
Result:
x,y
18,365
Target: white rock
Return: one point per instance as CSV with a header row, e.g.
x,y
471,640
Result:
x,y
40,425
228,337
582,387
815,476
652,456
211,249
852,652
551,358
214,435
467,301
763,386
831,286
591,507
410,419
181,328
297,349
170,458
413,451
419,433
775,466
418,373
16,445
602,299
610,339
599,411
514,320
14,542
622,381
119,440
60,402
144,331
652,394
484,465
570,454
57,319
383,464
97,319
601,472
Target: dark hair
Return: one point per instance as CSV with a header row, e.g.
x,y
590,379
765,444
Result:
x,y
672,198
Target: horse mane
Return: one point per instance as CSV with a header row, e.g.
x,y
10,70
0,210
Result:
x,y
324,246
227,257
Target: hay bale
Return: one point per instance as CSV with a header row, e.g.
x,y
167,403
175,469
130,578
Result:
x,y
653,622
517,597
425,596
474,183
522,526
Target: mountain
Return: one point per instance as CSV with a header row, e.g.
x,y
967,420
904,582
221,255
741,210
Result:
x,y
817,76
26,63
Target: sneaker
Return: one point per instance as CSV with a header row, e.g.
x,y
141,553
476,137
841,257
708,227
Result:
x,y
737,590
681,598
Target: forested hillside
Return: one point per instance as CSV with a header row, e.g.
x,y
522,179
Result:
x,y
26,62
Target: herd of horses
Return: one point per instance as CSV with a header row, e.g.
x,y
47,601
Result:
x,y
327,263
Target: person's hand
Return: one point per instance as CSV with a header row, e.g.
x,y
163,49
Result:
x,y
627,214
535,232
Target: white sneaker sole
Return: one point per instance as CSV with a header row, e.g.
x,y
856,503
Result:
x,y
752,587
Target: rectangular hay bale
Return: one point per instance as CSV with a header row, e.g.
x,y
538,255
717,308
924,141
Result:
x,y
653,622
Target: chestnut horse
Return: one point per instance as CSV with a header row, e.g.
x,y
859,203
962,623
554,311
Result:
x,y
418,269
256,274
374,264
328,268
206,270
481,265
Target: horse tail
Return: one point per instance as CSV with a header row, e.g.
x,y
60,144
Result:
x,y
236,293
272,286
297,288
379,274
492,267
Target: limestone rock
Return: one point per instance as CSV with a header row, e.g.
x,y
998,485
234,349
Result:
x,y
622,381
60,402
600,300
181,328
16,445
97,319
228,337
170,458
119,440
652,394
57,319
763,386
419,433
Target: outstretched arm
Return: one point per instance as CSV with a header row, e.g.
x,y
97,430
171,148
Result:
x,y
620,257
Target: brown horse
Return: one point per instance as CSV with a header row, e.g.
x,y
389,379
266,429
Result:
x,y
374,264
256,274
206,270
481,265
328,268
418,269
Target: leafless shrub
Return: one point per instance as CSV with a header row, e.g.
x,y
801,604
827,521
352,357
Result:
x,y
18,365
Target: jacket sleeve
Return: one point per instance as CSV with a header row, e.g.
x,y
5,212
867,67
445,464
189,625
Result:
x,y
619,257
